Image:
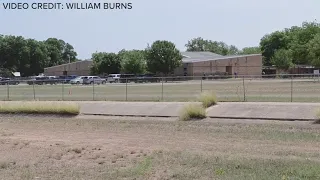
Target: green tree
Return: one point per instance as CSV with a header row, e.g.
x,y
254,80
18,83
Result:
x,y
233,50
109,63
59,52
299,38
38,57
218,47
163,57
30,57
68,53
251,50
133,62
282,59
197,44
270,43
314,51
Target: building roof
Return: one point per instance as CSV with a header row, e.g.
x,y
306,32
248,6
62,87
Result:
x,y
210,57
69,63
200,55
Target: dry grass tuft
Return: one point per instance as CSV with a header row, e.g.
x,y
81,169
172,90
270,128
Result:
x,y
39,107
77,150
4,165
192,111
208,98
317,121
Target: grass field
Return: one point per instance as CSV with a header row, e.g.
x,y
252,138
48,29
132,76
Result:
x,y
142,148
227,90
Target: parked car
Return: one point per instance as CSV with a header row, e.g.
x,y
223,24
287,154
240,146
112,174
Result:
x,y
4,81
42,80
113,78
94,80
144,78
78,80
126,78
67,79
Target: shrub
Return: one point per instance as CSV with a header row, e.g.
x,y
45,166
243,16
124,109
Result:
x,y
39,107
192,111
317,121
208,99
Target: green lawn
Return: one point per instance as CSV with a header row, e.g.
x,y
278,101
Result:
x,y
267,90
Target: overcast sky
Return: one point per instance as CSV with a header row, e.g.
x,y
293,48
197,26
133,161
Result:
x,y
238,22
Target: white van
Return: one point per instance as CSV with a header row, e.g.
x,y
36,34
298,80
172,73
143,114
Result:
x,y
113,78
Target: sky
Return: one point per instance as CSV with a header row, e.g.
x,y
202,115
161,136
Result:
x,y
236,22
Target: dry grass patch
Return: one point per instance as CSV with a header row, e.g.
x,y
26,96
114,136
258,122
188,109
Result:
x,y
192,111
39,107
317,121
208,98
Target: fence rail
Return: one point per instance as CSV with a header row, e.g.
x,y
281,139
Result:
x,y
272,88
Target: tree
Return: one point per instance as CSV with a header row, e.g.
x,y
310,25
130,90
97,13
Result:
x,y
38,57
295,39
133,62
251,50
197,44
163,57
218,47
282,59
233,50
109,63
30,57
299,38
314,51
270,43
68,53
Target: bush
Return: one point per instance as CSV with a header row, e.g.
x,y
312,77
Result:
x,y
317,121
39,107
192,111
208,99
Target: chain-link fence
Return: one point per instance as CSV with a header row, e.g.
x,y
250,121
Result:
x,y
273,88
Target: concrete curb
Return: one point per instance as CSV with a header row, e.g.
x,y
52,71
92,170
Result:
x,y
212,117
133,115
260,118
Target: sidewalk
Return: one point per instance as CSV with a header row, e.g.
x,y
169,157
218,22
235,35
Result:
x,y
228,110
264,110
152,109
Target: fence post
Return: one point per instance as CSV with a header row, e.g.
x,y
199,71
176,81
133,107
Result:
x,y
162,89
62,90
201,84
34,91
8,91
244,90
291,87
126,89
93,90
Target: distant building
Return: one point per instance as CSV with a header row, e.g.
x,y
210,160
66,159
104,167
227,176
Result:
x,y
199,63
194,64
81,68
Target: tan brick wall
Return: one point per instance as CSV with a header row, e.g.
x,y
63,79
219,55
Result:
x,y
76,68
250,65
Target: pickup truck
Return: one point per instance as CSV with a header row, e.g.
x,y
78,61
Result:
x,y
4,81
43,80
